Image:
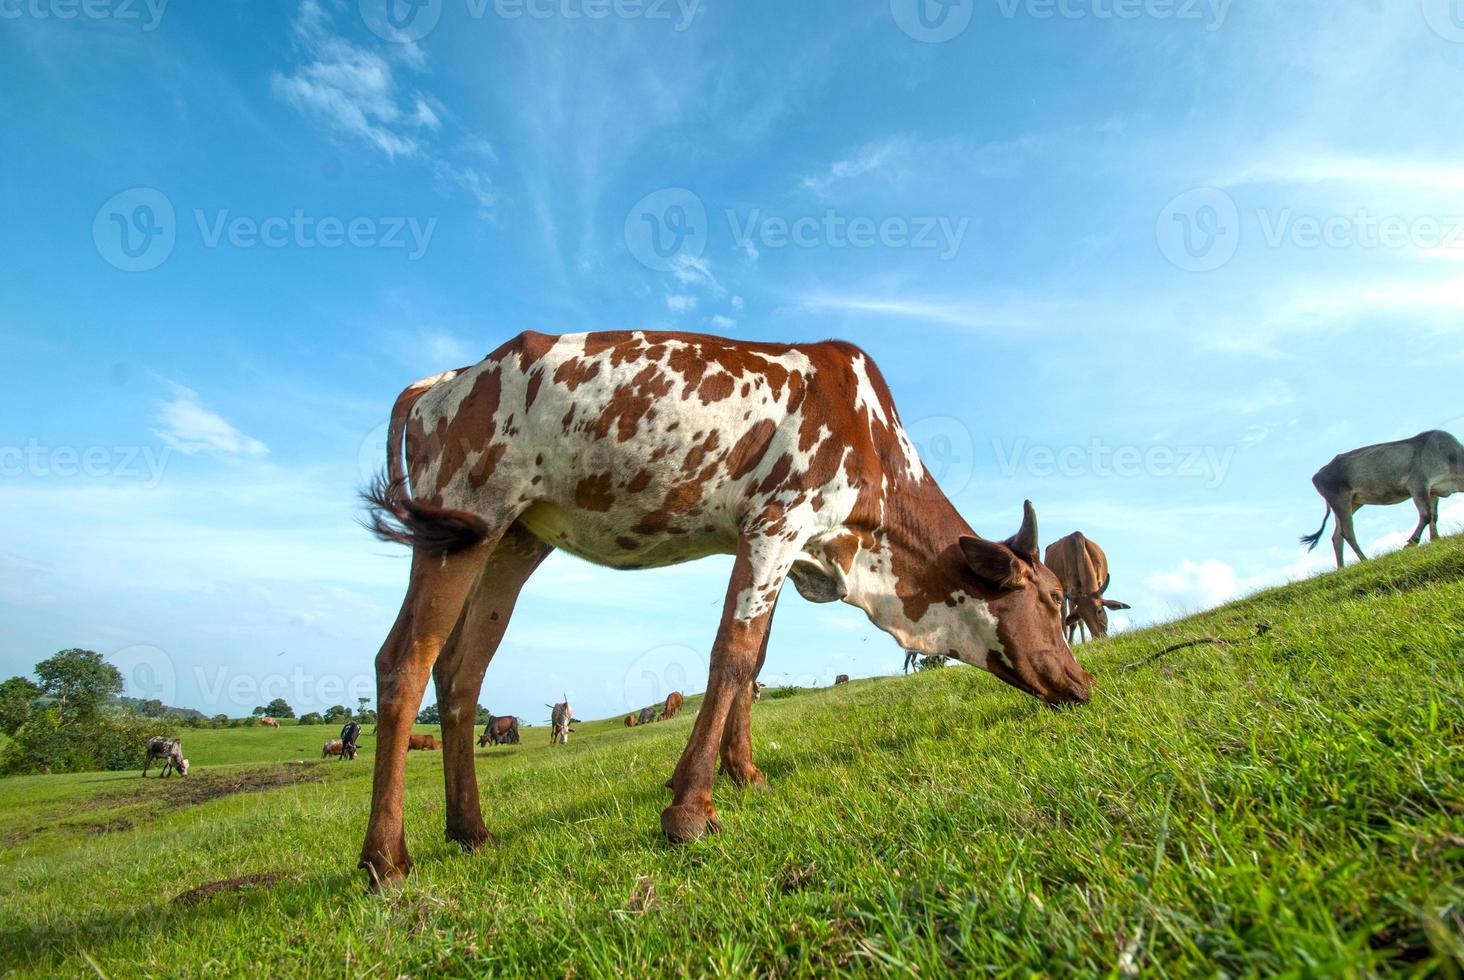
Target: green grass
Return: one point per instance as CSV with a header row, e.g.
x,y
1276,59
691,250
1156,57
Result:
x,y
1289,804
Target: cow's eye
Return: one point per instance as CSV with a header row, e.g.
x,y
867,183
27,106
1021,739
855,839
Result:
x,y
1057,598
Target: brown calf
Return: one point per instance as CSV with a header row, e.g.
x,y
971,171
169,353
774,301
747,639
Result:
x,y
269,722
423,743
1082,568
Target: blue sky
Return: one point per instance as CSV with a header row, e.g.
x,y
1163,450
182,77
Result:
x,y
1150,263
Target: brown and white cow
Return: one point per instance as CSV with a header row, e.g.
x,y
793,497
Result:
x,y
757,688
269,722
1082,568
334,747
642,450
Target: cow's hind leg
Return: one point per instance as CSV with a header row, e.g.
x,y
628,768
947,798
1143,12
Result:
x,y
459,675
437,590
757,575
737,736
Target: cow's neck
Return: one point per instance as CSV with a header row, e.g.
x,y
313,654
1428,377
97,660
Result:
x,y
904,577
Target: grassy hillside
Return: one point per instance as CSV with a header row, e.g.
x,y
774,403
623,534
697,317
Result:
x,y
1291,802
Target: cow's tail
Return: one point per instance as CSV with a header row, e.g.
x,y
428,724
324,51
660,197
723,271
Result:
x,y
1312,540
392,513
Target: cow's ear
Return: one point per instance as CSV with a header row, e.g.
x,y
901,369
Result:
x,y
994,562
1073,619
817,583
1112,604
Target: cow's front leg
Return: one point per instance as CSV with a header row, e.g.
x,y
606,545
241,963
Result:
x,y
761,566
737,737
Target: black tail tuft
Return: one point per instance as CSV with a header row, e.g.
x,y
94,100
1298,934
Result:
x,y
1312,540
437,531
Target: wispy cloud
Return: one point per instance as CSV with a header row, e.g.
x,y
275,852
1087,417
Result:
x,y
361,94
189,428
869,159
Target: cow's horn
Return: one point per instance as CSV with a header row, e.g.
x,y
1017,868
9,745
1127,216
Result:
x,y
1025,542
1106,583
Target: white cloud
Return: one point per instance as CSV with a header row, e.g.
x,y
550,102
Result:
x,y
721,322
681,303
870,158
189,428
1414,175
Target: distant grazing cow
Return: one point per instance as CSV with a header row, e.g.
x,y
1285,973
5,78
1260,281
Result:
x,y
630,721
423,743
674,701
912,660
1082,568
559,720
1424,469
647,716
334,747
269,722
757,689
170,750
841,679
500,731
638,449
350,737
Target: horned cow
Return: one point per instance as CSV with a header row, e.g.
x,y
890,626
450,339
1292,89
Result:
x,y
560,717
1082,568
644,450
1423,469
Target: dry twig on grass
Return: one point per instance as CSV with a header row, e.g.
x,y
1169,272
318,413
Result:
x,y
1261,630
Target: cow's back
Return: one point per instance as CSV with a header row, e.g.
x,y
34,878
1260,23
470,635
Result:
x,y
637,449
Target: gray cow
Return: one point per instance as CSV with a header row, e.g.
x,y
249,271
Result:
x,y
1422,469
170,750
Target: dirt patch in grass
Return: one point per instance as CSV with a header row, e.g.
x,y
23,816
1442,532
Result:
x,y
195,895
201,787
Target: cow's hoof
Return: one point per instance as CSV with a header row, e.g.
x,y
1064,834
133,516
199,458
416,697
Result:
x,y
684,824
382,872
472,840
749,778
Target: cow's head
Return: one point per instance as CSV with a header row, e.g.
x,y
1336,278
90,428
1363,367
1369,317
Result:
x,y
1031,653
182,765
1092,610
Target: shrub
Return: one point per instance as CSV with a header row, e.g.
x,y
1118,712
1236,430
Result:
x,y
48,743
312,718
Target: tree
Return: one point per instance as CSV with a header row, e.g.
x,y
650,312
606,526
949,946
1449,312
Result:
x,y
152,709
483,715
430,715
336,714
361,704
312,718
78,682
17,699
259,710
279,708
